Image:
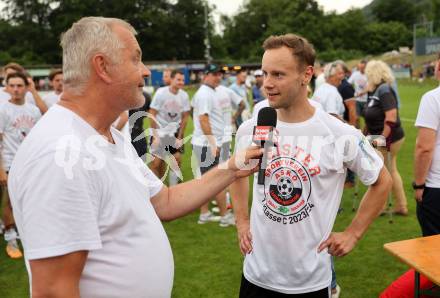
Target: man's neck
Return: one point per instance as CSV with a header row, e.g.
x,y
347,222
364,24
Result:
x,y
58,92
209,85
174,90
299,111
92,110
17,101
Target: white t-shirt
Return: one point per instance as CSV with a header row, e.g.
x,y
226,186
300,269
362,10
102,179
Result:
x,y
330,99
16,121
125,129
294,212
225,100
4,96
265,103
204,102
320,79
429,117
51,98
169,107
242,91
72,190
359,80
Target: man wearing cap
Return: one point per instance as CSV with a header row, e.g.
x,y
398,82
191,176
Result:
x,y
208,131
257,92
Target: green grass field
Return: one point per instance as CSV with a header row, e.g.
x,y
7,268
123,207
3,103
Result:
x,y
207,259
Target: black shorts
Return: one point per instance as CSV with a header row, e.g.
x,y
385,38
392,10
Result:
x,y
206,160
166,145
428,212
249,290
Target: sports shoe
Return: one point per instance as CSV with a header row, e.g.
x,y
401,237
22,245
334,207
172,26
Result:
x,y
227,220
337,292
13,250
208,217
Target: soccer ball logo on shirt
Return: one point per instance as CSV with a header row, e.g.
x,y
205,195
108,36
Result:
x,y
287,186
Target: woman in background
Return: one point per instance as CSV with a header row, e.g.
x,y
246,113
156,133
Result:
x,y
382,118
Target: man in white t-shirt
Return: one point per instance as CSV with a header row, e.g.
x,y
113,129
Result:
x,y
32,96
56,82
239,87
87,208
288,240
327,94
16,120
427,161
208,136
359,81
170,110
319,75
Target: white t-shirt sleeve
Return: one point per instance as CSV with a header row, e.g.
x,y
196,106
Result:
x,y
429,112
204,105
3,121
236,99
186,106
331,103
157,102
352,78
59,211
243,138
362,158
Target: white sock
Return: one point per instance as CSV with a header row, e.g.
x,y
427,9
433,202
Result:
x,y
10,234
173,179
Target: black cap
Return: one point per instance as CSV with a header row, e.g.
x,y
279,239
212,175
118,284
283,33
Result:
x,y
212,68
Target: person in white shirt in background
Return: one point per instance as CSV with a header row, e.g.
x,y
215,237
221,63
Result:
x,y
166,77
16,120
287,240
170,109
319,75
239,87
426,182
87,208
327,94
360,83
56,82
122,125
32,96
207,139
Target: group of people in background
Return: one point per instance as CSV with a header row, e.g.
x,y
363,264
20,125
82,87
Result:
x,y
217,111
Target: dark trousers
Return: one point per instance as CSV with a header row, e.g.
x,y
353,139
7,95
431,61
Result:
x,y
249,290
428,212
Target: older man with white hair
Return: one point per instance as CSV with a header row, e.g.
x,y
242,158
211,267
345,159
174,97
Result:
x,y
327,94
87,208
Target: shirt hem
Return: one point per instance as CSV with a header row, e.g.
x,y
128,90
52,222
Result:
x,y
61,250
289,291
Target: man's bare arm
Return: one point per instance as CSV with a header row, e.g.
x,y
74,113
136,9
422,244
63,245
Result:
x,y
58,276
340,244
179,200
206,128
351,107
185,117
239,191
424,151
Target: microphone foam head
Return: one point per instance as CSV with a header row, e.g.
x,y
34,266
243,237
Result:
x,y
267,116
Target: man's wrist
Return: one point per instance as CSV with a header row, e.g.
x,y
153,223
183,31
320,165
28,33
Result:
x,y
416,185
